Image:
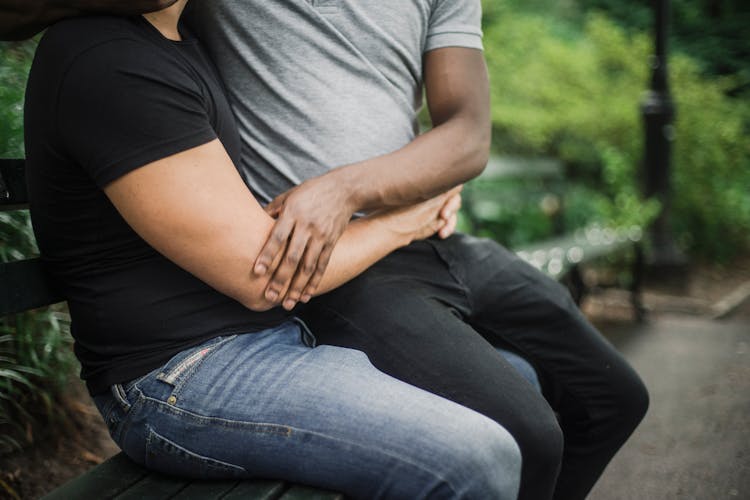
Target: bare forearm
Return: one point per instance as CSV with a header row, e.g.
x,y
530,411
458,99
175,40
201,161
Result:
x,y
363,244
454,151
434,162
21,19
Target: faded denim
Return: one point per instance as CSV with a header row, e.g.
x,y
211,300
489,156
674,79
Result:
x,y
270,405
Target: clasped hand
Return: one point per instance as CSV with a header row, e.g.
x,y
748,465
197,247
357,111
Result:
x,y
311,217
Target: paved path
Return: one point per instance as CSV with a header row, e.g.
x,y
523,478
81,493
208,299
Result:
x,y
695,441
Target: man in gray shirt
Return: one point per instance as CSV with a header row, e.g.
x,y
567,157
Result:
x,y
326,94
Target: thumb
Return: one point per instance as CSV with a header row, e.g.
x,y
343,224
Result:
x,y
274,208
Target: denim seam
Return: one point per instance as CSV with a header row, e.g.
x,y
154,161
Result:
x,y
288,431
182,378
261,428
213,462
126,422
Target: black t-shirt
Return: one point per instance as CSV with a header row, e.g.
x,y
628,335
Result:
x,y
106,96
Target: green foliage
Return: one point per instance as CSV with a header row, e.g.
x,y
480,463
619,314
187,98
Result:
x,y
36,360
710,31
15,60
576,97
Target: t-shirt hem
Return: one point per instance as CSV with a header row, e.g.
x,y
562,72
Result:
x,y
116,169
463,39
100,382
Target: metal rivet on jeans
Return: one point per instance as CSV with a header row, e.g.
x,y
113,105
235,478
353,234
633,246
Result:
x,y
171,400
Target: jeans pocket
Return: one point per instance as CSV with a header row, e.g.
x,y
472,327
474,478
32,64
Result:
x,y
179,369
166,456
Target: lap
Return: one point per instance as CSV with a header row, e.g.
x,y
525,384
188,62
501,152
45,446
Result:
x,y
267,405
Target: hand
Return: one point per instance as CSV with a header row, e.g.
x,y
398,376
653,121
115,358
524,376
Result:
x,y
310,219
420,221
449,213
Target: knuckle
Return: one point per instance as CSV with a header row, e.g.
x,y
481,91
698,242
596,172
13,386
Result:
x,y
292,258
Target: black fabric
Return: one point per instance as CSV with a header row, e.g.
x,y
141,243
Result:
x,y
429,314
106,96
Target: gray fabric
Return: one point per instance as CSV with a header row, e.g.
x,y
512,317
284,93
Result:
x,y
317,84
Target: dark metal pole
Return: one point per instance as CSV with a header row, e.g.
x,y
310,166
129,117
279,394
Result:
x,y
658,115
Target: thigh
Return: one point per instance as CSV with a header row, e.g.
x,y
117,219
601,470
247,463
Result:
x,y
414,328
413,334
267,405
515,304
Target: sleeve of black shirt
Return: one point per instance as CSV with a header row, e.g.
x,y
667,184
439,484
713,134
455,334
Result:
x,y
124,104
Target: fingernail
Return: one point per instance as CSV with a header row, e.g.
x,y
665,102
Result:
x,y
272,295
289,304
261,269
306,298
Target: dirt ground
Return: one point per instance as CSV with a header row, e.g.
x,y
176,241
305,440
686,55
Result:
x,y
31,473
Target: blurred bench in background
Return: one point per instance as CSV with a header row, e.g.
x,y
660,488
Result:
x,y
522,198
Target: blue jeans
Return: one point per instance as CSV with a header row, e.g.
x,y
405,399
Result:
x,y
270,405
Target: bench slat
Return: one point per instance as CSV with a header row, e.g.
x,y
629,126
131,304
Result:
x,y
154,486
257,489
207,490
103,481
307,493
25,286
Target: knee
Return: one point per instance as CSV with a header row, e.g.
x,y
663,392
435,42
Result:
x,y
541,441
487,464
632,401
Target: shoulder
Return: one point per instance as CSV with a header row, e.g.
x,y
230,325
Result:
x,y
71,37
101,45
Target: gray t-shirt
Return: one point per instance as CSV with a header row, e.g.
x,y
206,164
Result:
x,y
317,84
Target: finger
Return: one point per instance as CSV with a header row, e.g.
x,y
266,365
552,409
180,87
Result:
x,y
287,267
272,211
277,203
451,206
312,286
449,228
304,272
275,244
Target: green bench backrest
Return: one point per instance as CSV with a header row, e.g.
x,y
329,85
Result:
x,y
23,284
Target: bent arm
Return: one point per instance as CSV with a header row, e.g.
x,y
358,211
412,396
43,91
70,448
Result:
x,y
21,19
454,151
194,208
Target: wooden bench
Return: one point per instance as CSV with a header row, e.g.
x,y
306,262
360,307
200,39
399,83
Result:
x,y
514,182
25,286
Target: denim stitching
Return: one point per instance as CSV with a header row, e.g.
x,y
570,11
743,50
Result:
x,y
153,436
183,371
285,431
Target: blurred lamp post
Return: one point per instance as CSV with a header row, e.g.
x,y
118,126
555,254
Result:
x,y
658,115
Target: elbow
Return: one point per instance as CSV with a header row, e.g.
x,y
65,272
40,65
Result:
x,y
254,298
477,152
258,303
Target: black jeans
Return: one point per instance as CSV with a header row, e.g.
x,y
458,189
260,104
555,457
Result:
x,y
429,314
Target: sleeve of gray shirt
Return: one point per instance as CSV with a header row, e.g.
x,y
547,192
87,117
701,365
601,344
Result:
x,y
455,23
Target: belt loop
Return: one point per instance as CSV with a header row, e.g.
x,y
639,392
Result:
x,y
119,394
307,336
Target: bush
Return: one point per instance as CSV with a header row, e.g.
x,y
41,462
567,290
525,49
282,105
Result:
x,y
575,96
35,356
